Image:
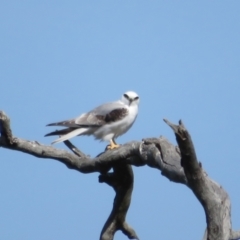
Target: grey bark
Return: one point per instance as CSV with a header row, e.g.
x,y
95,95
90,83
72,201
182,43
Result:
x,y
178,164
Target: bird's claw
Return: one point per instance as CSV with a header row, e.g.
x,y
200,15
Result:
x,y
112,146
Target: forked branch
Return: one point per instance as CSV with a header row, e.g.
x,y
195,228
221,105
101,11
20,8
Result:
x,y
121,179
178,164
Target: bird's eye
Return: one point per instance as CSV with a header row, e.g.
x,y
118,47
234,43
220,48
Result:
x,y
136,98
126,96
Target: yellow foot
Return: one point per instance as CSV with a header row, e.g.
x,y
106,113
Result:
x,y
112,145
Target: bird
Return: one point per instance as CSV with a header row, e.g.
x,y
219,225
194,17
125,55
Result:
x,y
105,122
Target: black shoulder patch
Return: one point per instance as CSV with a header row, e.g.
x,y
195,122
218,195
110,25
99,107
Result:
x,y
116,115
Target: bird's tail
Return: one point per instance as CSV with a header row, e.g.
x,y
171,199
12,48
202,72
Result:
x,y
60,132
68,135
71,134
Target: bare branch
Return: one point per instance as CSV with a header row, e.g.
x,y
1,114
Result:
x,y
178,164
155,152
212,196
5,128
121,179
235,235
161,154
74,149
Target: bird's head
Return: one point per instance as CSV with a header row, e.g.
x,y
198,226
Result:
x,y
130,98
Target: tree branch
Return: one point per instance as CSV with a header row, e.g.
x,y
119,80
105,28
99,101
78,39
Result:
x,y
235,235
5,128
74,149
212,196
121,179
156,153
178,164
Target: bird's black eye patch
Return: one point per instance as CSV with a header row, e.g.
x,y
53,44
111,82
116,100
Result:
x,y
126,96
136,98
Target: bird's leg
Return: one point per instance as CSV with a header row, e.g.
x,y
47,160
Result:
x,y
113,145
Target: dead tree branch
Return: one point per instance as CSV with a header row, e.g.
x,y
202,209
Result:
x,y
121,179
212,196
178,164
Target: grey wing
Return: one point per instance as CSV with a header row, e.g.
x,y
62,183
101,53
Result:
x,y
99,116
106,113
66,123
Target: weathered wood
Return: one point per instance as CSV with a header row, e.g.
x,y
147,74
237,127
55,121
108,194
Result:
x,y
178,164
212,196
121,180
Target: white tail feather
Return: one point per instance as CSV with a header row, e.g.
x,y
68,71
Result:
x,y
72,134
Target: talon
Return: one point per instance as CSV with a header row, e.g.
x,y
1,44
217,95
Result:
x,y
112,145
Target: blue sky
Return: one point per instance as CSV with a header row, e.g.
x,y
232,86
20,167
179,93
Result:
x,y
62,58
